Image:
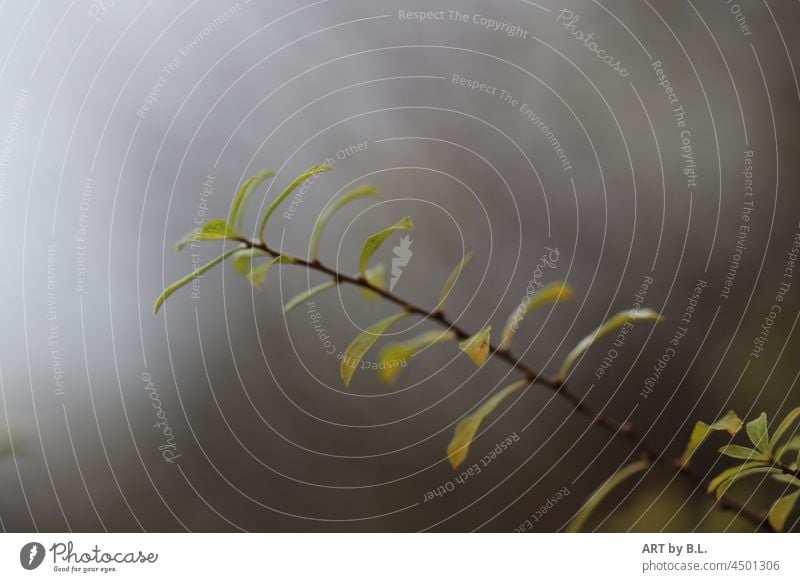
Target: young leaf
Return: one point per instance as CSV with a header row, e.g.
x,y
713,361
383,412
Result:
x,y
316,235
553,293
356,350
728,473
785,425
781,509
477,347
757,431
620,319
725,485
392,354
467,428
376,240
243,196
375,276
594,500
451,280
730,423
212,230
190,277
243,261
258,275
306,295
739,452
289,189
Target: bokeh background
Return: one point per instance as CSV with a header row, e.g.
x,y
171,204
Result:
x,y
124,122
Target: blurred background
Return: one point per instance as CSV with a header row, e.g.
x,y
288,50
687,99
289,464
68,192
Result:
x,y
501,130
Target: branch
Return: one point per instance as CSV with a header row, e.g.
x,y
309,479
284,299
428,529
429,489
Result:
x,y
627,430
786,470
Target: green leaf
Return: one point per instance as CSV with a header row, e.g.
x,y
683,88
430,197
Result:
x,y
306,295
243,261
477,347
620,319
724,486
788,447
375,276
467,428
322,221
739,452
258,274
376,240
178,284
553,293
451,280
289,189
781,509
728,473
212,230
757,431
392,354
785,425
602,492
788,479
730,423
244,194
356,350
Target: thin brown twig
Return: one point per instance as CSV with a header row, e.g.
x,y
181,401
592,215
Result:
x,y
627,429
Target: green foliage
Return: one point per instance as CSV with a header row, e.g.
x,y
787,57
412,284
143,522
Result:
x,y
757,431
374,242
375,276
790,446
781,509
784,426
301,298
451,280
400,352
477,347
212,230
729,423
243,196
777,456
594,500
322,221
769,456
620,319
258,274
244,263
729,473
358,348
553,293
467,428
189,278
725,485
311,172
243,260
788,479
740,452
244,256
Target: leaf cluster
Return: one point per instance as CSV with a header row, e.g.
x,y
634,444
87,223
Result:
x,y
776,455
253,259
